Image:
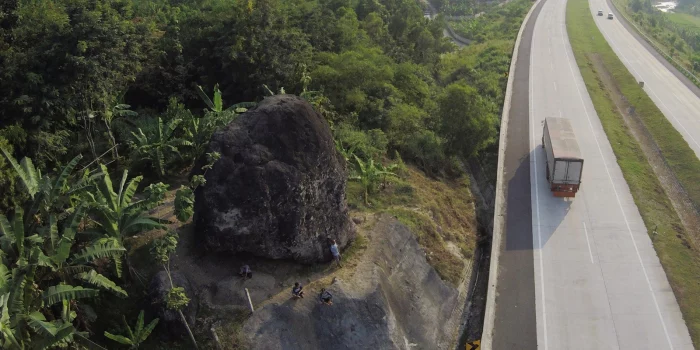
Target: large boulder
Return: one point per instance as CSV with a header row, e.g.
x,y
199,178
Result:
x,y
170,321
278,190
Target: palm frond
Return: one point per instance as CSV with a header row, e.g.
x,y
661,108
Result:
x,y
104,248
64,245
125,175
61,292
60,182
118,266
15,304
130,191
119,338
140,224
74,219
4,276
53,232
147,331
205,98
37,321
18,230
180,142
107,189
64,332
97,280
5,227
29,178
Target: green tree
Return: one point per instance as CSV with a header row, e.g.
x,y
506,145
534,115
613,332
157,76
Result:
x,y
67,60
468,120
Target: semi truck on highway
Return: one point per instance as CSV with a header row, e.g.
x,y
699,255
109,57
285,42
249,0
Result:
x,y
564,163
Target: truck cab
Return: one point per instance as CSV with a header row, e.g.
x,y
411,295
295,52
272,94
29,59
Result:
x,y
564,165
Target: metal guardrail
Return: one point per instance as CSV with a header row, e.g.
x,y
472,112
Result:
x,y
656,46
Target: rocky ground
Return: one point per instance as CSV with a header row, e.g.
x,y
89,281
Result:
x,y
391,299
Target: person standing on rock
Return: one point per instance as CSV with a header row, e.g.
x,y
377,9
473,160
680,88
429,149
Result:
x,y
336,253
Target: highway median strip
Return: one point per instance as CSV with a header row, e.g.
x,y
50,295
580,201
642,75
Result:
x,y
616,95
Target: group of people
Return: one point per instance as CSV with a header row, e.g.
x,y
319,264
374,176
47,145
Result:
x,y
298,290
325,296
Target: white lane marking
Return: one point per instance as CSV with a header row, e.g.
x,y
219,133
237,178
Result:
x,y
555,85
651,89
619,202
537,196
589,242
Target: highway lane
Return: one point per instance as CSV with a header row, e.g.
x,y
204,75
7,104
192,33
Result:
x,y
679,104
514,325
598,281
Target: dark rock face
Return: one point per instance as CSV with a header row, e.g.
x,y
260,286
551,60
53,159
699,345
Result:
x,y
170,321
278,190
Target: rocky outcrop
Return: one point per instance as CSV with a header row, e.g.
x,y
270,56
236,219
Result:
x,y
170,321
278,190
395,301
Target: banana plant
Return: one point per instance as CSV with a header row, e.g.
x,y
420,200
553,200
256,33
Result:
x,y
217,105
369,175
28,291
119,215
52,252
157,148
134,337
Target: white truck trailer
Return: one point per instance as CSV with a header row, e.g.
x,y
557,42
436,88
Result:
x,y
564,163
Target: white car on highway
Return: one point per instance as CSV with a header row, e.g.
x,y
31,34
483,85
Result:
x,y
600,12
610,15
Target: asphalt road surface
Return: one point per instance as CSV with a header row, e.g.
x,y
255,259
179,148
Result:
x,y
598,281
514,320
678,101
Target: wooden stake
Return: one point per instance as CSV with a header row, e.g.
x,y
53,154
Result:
x,y
250,303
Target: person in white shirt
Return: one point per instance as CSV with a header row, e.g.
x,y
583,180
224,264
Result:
x,y
336,253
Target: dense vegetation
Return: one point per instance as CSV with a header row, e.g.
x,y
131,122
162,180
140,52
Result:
x,y
496,23
131,90
677,34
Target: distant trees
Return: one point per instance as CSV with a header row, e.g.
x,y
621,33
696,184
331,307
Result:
x,y
64,61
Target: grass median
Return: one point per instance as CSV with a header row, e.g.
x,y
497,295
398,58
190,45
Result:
x,y
598,62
